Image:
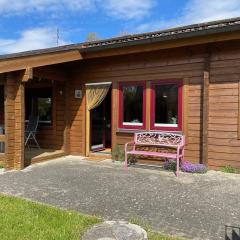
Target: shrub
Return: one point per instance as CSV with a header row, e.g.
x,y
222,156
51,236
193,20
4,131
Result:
x,y
229,169
170,165
193,168
118,153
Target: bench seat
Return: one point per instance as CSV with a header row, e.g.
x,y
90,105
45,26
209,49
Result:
x,y
155,154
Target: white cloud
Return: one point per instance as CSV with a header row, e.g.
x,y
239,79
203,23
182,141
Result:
x,y
23,6
31,39
197,11
127,9
121,9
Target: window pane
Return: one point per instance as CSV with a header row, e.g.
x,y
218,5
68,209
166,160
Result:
x,y
166,104
38,101
45,109
133,105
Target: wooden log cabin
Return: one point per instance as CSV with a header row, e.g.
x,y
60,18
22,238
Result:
x,y
95,95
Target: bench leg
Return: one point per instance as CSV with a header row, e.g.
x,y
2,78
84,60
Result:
x,y
126,161
177,167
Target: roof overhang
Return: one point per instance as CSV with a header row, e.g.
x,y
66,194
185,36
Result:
x,y
204,33
167,43
38,60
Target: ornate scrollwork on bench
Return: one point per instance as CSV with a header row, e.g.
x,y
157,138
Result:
x,y
157,139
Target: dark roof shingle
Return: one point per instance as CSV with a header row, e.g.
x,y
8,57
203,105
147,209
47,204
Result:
x,y
221,26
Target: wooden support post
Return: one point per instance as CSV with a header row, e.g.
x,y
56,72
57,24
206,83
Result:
x,y
185,107
205,109
66,136
148,99
239,110
28,75
14,120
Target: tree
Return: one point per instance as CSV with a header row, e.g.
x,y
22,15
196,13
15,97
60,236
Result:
x,y
92,36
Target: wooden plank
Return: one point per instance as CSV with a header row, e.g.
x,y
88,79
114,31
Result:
x,y
51,73
2,138
8,65
239,109
28,74
205,109
185,107
148,97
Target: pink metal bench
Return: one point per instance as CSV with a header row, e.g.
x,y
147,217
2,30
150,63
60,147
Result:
x,y
158,139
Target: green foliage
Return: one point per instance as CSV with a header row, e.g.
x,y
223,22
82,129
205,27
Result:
x,y
23,220
92,36
1,165
170,165
118,153
229,169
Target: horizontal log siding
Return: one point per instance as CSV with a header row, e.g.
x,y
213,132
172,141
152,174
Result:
x,y
224,145
186,64
162,65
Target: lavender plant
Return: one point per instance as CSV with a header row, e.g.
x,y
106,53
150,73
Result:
x,y
193,168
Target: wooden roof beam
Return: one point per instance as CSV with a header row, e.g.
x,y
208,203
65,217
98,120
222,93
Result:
x,y
135,48
51,72
28,75
8,65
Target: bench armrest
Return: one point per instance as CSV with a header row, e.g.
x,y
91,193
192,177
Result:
x,y
180,149
127,144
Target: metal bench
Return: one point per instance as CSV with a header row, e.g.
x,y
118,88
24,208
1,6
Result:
x,y
157,139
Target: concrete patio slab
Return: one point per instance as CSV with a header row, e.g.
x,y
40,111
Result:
x,y
194,206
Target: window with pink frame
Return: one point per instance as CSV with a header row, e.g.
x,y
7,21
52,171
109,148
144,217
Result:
x,y
166,105
132,105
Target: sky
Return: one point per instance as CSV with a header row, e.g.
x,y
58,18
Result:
x,y
32,24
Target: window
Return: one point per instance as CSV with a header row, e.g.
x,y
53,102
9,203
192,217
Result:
x,y
132,104
38,101
166,105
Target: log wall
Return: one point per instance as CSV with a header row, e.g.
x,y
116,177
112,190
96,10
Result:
x,y
185,64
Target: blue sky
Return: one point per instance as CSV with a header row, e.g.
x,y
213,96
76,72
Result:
x,y
32,24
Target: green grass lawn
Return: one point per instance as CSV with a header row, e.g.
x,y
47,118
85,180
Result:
x,y
25,220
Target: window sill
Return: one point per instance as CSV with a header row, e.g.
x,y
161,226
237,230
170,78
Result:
x,y
124,130
132,131
166,130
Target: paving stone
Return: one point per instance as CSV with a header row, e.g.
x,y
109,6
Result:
x,y
115,230
195,206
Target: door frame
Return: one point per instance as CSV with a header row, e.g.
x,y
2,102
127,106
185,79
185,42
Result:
x,y
88,119
104,133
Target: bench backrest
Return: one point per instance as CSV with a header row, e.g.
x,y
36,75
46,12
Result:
x,y
159,138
